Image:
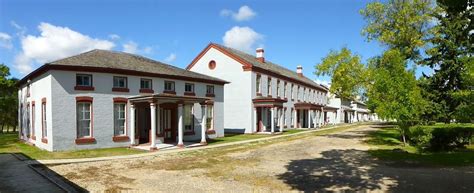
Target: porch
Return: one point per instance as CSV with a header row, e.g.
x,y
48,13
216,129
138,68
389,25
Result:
x,y
308,115
163,120
268,115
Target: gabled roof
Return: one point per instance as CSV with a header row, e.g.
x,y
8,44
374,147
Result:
x,y
122,63
251,62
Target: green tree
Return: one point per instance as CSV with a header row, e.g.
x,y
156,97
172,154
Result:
x,y
8,99
346,71
450,56
399,24
394,92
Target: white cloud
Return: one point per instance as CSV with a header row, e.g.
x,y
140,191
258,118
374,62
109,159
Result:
x,y
21,30
114,36
5,41
130,47
242,38
171,58
133,48
244,13
54,42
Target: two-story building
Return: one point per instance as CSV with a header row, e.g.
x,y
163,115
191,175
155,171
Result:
x,y
361,112
262,96
101,99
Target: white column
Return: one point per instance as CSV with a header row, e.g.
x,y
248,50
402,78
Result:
x,y
314,119
203,124
322,116
153,126
132,124
295,120
272,119
309,118
180,126
282,113
255,121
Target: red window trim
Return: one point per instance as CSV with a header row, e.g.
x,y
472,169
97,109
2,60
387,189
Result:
x,y
32,121
120,89
43,138
146,90
210,95
88,88
91,139
121,138
169,92
189,93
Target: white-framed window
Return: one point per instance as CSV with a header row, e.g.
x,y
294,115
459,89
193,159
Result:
x,y
119,118
209,89
43,120
83,80
278,88
188,87
169,86
292,92
120,82
210,117
83,111
269,86
145,83
284,89
259,84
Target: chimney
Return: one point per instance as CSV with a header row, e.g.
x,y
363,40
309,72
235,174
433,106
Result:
x,y
299,70
259,54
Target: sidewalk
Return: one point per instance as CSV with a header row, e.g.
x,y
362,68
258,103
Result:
x,y
161,152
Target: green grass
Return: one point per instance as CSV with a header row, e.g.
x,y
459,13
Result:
x,y
9,143
385,140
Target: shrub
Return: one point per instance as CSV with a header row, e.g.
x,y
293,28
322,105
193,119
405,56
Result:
x,y
441,137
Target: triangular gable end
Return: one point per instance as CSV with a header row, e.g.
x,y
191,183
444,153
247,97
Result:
x,y
245,64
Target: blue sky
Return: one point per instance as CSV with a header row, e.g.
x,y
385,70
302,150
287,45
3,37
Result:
x,y
292,32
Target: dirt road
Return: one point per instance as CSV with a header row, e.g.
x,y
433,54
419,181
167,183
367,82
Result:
x,y
331,162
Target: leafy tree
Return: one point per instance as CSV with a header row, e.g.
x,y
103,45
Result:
x,y
346,71
394,92
450,57
8,99
399,24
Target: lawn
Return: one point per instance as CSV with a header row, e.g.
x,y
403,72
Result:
x,y
9,143
386,139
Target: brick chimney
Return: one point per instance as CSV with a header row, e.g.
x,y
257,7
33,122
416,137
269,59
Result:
x,y
259,55
299,70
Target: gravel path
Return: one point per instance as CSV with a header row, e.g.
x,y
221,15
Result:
x,y
333,162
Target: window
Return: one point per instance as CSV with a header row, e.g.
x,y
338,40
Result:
x,y
145,83
210,90
33,119
212,64
259,90
84,119
292,93
169,86
84,80
120,82
284,90
297,93
119,118
28,90
28,122
304,94
188,117
210,116
278,88
269,86
43,120
188,87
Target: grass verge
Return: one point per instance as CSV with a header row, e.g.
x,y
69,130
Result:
x,y
9,143
386,139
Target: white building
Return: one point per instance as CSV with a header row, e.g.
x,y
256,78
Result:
x,y
361,112
102,99
262,96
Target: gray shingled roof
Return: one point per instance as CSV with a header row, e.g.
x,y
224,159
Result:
x,y
126,61
267,65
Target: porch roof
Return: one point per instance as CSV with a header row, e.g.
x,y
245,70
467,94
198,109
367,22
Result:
x,y
268,102
329,108
163,97
304,105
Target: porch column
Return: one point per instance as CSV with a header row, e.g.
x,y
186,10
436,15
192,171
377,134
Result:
x,y
180,126
309,118
295,121
313,118
272,119
282,114
153,126
255,121
203,124
132,124
321,116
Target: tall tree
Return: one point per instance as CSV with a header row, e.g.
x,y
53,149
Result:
x,y
399,24
450,56
8,98
346,71
394,92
